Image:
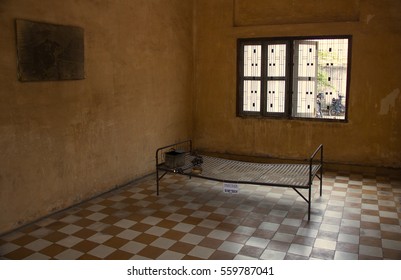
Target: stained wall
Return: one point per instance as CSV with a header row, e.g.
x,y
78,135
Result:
x,y
64,141
371,137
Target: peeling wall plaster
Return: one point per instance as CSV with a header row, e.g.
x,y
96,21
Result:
x,y
389,101
369,18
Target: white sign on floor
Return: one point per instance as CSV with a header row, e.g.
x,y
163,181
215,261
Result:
x,y
230,188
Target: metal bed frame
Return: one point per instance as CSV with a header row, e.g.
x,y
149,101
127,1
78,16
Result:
x,y
295,176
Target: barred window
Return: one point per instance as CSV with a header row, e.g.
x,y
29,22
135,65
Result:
x,y
294,77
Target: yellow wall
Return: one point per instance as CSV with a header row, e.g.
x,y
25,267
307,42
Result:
x,y
64,141
372,135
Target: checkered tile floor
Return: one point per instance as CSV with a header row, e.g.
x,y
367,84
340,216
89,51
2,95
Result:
x,y
358,217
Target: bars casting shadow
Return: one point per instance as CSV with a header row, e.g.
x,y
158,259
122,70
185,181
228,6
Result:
x,y
293,175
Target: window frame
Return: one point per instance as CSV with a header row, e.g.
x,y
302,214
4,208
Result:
x,y
289,41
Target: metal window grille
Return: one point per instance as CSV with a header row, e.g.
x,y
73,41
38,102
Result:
x,y
294,78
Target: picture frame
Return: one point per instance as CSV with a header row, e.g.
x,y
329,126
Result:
x,y
49,52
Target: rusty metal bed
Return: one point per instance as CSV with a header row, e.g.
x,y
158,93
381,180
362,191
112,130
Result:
x,y
293,175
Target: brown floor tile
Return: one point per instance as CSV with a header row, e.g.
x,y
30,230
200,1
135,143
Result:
x,y
216,217
331,221
24,240
303,240
136,216
110,220
238,238
221,255
207,208
113,230
248,222
154,205
370,241
257,216
145,238
310,225
181,247
19,254
323,254
239,213
251,251
140,226
55,236
278,246
57,225
201,231
295,215
370,225
116,242
288,229
30,228
119,255
151,252
88,257
185,211
192,220
84,222
134,209
83,213
265,234
391,254
347,247
351,216
211,243
174,234
167,223
387,208
349,230
369,201
108,211
389,221
370,212
226,227
233,221
53,250
84,233
85,246
295,257
328,235
161,214
178,203
391,235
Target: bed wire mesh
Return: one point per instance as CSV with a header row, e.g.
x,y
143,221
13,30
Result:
x,y
248,172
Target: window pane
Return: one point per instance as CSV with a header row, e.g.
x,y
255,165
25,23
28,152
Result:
x,y
307,58
320,78
332,77
251,96
276,60
275,96
252,60
305,77
306,100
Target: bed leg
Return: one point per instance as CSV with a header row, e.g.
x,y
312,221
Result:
x,y
309,202
157,181
321,180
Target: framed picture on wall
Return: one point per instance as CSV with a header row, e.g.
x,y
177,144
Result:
x,y
49,52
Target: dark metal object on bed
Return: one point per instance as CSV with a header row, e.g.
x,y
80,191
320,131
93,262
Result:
x,y
295,176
